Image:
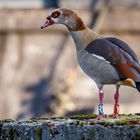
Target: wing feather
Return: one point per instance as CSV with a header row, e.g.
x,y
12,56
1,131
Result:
x,y
121,57
123,46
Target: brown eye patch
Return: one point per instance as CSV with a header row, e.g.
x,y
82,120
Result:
x,y
55,14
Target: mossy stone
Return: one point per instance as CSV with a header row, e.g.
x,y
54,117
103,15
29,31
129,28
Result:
x,y
81,117
38,133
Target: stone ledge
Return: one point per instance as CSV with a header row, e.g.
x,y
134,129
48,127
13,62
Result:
x,y
72,128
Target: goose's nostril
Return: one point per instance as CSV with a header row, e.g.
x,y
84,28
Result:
x,y
49,18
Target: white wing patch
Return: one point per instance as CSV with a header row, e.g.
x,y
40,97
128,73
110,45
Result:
x,y
101,58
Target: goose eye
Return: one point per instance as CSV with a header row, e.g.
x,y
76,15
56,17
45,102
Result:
x,y
55,14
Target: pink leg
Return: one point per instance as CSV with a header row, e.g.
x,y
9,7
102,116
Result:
x,y
100,106
101,96
116,105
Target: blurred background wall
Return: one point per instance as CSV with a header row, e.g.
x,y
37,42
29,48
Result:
x,y
39,75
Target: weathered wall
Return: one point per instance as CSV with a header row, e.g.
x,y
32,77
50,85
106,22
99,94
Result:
x,y
67,129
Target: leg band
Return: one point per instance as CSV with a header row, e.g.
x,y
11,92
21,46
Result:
x,y
100,109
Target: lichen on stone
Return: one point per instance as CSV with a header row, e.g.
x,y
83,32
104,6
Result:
x,y
137,136
54,131
81,117
38,133
49,124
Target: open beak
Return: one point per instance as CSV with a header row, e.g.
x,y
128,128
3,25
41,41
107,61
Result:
x,y
47,23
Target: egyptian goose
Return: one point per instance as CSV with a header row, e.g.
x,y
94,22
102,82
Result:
x,y
107,60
